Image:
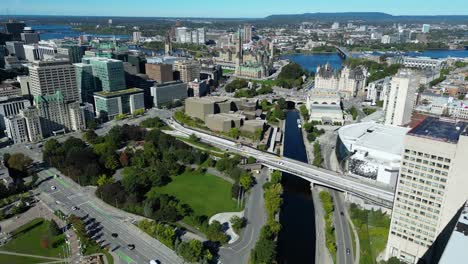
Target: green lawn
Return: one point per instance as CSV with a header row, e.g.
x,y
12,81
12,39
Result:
x,y
206,194
26,239
372,228
11,259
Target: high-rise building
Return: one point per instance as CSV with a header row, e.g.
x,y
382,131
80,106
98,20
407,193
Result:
x,y
24,127
11,106
136,37
33,123
168,44
48,77
426,28
14,28
189,70
74,53
159,72
335,25
16,48
247,33
53,111
35,52
85,82
29,36
399,103
431,186
109,73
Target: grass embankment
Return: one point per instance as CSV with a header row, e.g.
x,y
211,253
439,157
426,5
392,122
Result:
x,y
206,194
330,240
372,227
200,145
11,259
34,238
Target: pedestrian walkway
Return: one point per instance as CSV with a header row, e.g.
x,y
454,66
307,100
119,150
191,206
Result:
x,y
28,255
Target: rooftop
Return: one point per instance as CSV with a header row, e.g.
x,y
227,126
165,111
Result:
x,y
118,93
458,242
447,130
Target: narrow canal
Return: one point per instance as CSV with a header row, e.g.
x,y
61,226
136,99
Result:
x,y
296,242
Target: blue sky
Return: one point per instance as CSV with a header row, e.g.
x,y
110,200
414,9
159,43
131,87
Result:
x,y
227,8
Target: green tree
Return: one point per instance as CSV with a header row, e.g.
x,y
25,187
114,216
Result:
x,y
264,252
54,229
190,251
238,223
103,180
234,132
18,164
215,233
246,181
304,112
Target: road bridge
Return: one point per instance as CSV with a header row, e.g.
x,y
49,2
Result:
x,y
343,52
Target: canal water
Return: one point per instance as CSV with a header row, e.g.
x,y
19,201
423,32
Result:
x,y
296,241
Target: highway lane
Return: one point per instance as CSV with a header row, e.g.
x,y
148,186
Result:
x,y
377,193
69,194
342,232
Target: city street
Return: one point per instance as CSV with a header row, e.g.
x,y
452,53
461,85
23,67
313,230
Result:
x,y
69,194
239,252
344,251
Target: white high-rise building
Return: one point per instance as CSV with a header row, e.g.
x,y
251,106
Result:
x,y
48,77
136,36
335,26
399,103
426,28
432,186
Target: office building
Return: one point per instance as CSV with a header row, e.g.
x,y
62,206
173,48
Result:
x,y
168,92
53,111
159,72
187,35
11,106
417,62
10,87
79,114
74,53
3,54
29,36
198,88
431,186
85,82
335,25
247,33
14,28
16,48
426,28
48,77
34,52
109,73
189,70
136,37
398,105
16,129
111,104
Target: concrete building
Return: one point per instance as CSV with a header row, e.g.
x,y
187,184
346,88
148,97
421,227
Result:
x,y
48,77
167,92
324,106
34,52
111,104
398,105
252,126
11,106
54,114
425,28
29,36
16,48
189,70
16,129
431,187
159,72
378,90
247,33
10,87
223,122
79,114
417,62
109,73
136,37
362,152
33,123
199,107
74,53
198,88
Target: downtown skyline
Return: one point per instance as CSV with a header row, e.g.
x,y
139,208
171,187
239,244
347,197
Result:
x,y
216,9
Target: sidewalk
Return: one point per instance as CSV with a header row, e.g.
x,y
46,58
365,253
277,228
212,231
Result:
x,y
322,255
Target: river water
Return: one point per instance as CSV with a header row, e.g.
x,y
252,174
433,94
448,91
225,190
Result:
x,y
296,241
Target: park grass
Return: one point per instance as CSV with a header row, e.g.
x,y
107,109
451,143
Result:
x,y
353,240
199,145
12,259
372,228
26,239
206,194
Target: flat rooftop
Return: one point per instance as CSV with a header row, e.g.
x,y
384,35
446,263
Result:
x,y
446,130
118,93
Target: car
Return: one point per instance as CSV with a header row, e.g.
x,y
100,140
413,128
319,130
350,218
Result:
x,y
74,208
154,262
348,251
341,213
56,176
53,188
131,246
114,235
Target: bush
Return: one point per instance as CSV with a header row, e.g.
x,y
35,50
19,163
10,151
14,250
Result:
x,y
238,223
54,229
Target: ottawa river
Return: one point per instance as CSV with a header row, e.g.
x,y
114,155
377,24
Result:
x,y
296,242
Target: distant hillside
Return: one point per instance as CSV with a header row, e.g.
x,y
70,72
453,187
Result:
x,y
364,16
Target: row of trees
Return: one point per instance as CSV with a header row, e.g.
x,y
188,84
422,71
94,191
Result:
x,y
376,70
328,207
312,131
265,249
